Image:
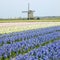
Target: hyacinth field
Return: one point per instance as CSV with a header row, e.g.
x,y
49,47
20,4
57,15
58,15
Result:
x,y
37,44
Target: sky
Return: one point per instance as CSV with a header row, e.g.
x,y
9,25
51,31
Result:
x,y
14,8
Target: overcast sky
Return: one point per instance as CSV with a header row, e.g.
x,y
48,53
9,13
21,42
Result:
x,y
14,8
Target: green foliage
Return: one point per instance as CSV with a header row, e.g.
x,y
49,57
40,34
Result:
x,y
17,20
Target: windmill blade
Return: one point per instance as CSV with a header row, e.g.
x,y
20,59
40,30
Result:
x,y
28,6
24,11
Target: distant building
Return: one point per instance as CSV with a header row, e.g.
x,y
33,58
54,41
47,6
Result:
x,y
30,13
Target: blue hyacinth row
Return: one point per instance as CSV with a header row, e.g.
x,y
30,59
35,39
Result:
x,y
19,36
21,43
23,46
48,52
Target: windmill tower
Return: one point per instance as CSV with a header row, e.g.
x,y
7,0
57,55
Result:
x,y
29,13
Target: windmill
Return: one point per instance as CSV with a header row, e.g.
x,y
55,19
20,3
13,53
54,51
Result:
x,y
29,13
